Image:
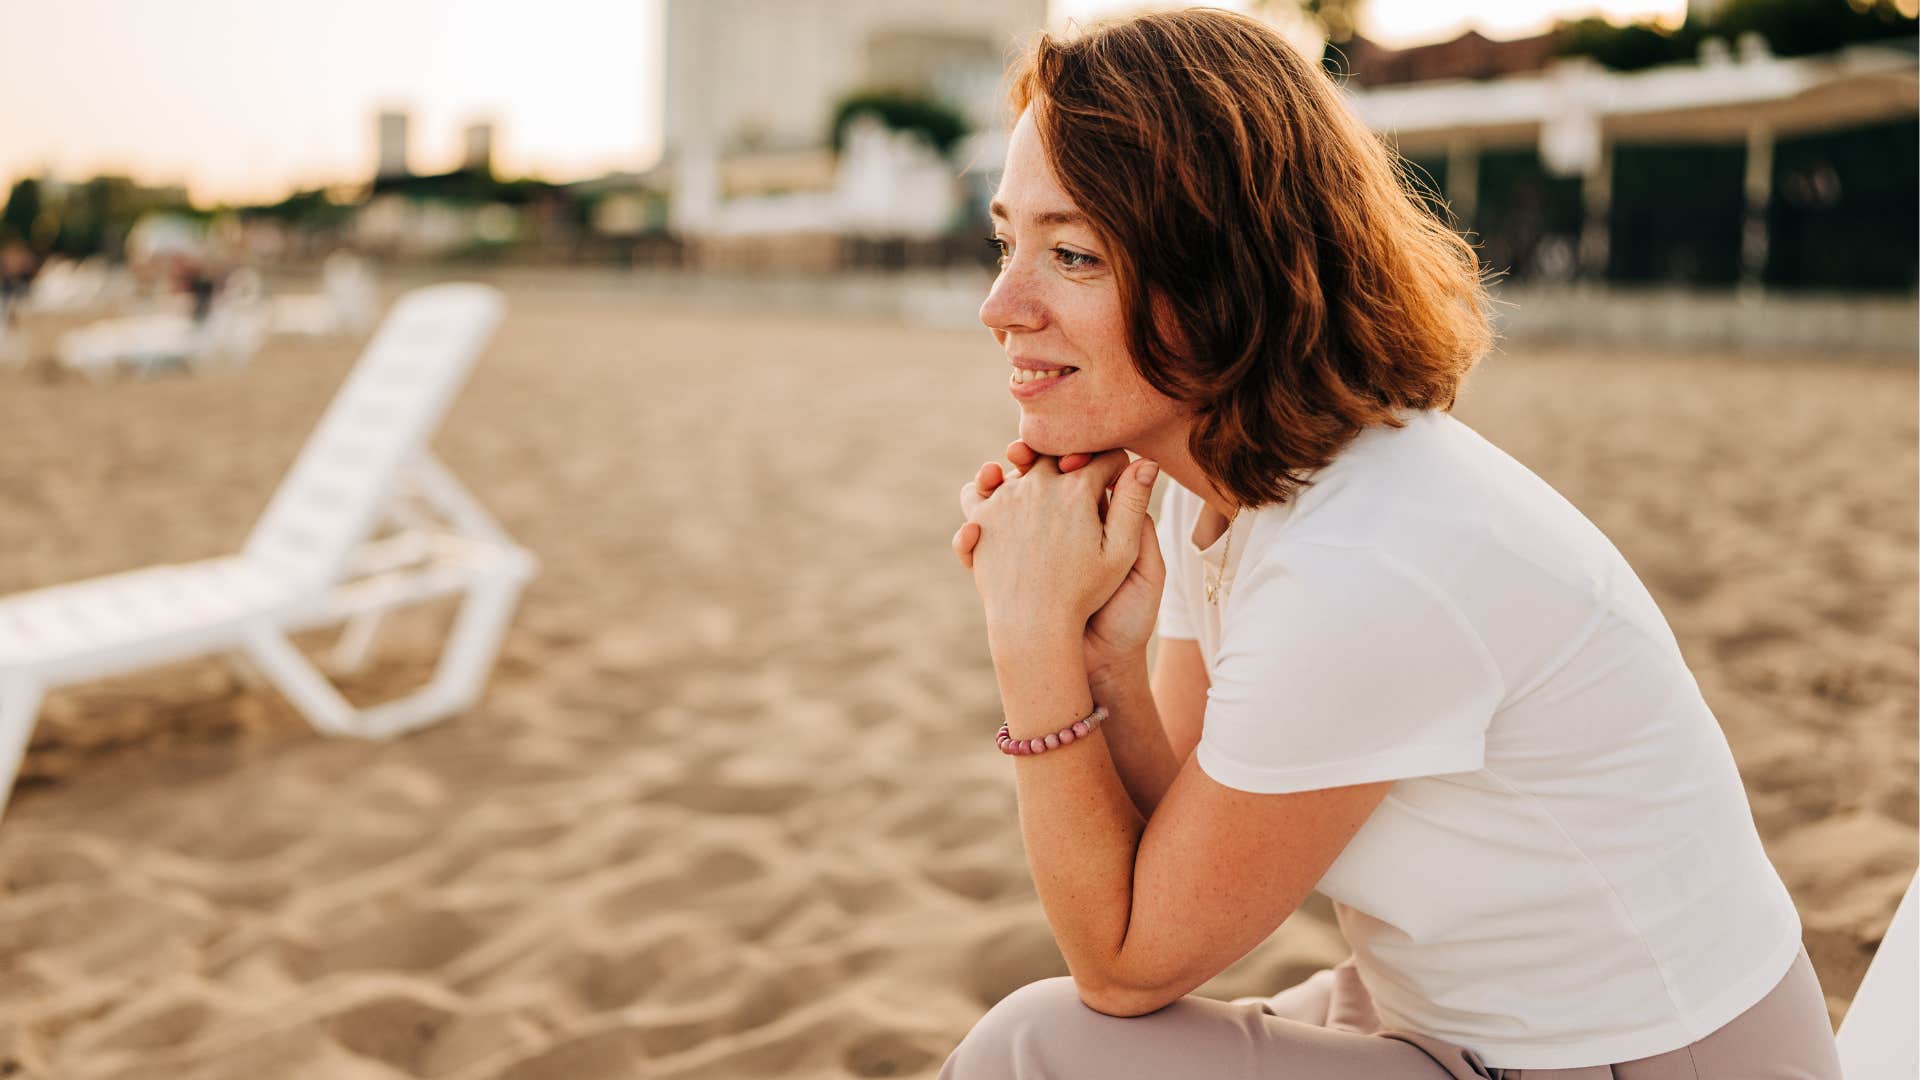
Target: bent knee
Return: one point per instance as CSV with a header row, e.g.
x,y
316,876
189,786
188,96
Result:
x,y
1045,1012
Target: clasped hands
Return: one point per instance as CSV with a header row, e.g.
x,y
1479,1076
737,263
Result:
x,y
1065,545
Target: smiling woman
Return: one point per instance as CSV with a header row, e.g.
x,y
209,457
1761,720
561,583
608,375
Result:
x,y
1395,665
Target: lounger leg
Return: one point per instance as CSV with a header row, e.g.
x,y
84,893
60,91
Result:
x,y
303,685
464,665
458,678
475,641
19,704
349,654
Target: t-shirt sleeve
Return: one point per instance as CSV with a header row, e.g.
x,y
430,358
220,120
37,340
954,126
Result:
x,y
1343,666
1175,619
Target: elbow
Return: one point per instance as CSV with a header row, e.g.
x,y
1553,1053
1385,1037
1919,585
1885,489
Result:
x,y
1121,1000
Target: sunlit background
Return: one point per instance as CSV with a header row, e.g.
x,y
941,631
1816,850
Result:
x,y
240,101
722,802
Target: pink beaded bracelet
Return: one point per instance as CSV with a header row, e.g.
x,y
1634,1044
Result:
x,y
1079,729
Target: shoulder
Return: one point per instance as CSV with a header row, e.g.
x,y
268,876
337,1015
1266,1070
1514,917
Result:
x,y
1425,494
1431,459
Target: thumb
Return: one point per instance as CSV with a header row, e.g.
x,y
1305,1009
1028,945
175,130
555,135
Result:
x,y
964,541
1129,509
1149,563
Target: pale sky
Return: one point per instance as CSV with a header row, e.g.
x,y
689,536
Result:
x,y
250,99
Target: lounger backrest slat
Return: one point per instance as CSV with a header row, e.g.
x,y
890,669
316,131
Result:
x,y
382,418
1877,1037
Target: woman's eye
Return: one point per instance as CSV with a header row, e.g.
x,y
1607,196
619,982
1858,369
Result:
x,y
1075,260
1069,259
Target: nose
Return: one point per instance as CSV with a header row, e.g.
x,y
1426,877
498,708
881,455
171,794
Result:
x,y
1013,303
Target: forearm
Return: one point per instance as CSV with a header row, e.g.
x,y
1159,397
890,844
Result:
x,y
1137,740
1080,825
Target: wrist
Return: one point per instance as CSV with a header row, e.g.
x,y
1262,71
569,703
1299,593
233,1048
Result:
x,y
1120,678
1042,679
1019,634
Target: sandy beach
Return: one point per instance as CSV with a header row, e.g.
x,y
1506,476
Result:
x,y
731,807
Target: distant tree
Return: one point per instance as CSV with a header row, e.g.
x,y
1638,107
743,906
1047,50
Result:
x,y
467,186
22,211
1790,27
1338,20
939,123
85,217
1631,47
302,208
96,214
1802,27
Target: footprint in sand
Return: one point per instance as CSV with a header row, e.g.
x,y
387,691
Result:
x,y
1011,959
421,1039
977,876
723,797
890,1053
416,941
161,1022
708,871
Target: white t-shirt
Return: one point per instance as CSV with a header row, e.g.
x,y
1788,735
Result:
x,y
1566,871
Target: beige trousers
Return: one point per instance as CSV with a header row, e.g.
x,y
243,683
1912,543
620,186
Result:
x,y
1325,1029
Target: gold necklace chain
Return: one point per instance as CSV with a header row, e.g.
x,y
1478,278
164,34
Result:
x,y
1218,580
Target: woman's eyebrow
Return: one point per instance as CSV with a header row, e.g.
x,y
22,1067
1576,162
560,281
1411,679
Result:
x,y
1044,217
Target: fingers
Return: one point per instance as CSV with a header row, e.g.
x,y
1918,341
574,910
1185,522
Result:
x,y
1108,466
970,498
964,542
1149,562
1136,490
1023,457
982,486
989,477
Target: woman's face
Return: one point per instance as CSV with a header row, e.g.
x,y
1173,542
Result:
x,y
1056,308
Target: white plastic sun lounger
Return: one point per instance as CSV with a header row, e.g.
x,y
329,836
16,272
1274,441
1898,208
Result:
x,y
67,287
346,303
228,337
1880,1035
365,522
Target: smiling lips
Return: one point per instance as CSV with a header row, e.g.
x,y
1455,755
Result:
x,y
1026,382
1027,375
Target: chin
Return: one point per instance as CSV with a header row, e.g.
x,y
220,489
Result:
x,y
1050,437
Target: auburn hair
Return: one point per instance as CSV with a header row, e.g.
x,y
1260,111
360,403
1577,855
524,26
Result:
x,y
1278,271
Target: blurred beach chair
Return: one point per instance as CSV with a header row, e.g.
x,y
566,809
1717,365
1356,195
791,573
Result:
x,y
367,521
64,287
1880,1035
345,304
228,338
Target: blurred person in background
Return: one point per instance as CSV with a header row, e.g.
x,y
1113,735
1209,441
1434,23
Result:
x,y
17,267
1395,665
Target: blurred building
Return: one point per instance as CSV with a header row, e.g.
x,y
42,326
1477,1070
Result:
x,y
463,212
477,145
753,88
392,136
1737,167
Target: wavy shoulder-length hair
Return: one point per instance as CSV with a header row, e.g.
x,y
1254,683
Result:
x,y
1277,270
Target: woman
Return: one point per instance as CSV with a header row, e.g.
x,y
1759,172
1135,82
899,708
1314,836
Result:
x,y
1395,665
